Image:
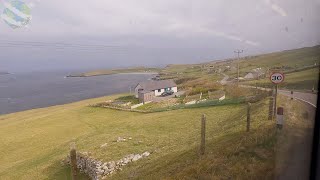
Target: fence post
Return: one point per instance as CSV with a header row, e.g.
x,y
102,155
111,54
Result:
x,y
271,103
203,134
248,116
73,161
280,118
291,95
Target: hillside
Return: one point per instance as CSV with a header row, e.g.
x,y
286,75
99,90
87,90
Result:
x,y
33,143
301,66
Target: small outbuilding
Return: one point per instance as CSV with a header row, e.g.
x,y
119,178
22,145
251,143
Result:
x,y
145,96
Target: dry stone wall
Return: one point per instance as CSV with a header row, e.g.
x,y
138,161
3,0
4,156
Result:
x,y
98,170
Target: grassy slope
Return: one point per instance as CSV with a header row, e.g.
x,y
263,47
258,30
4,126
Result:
x,y
32,143
297,58
292,58
302,80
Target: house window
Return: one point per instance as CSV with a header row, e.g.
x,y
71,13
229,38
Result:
x,y
159,90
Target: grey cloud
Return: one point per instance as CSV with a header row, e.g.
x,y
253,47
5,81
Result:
x,y
205,30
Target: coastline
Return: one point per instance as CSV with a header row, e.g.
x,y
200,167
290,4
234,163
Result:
x,y
83,102
102,72
133,73
54,89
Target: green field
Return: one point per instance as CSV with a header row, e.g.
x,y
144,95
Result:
x,y
33,143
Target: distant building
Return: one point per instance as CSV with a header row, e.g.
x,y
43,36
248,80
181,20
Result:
x,y
255,74
145,91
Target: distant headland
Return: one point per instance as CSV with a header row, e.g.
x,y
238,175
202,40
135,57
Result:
x,y
115,71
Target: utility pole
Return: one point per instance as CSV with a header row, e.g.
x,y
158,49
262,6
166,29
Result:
x,y
238,52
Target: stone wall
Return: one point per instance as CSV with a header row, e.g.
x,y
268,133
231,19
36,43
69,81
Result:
x,y
97,170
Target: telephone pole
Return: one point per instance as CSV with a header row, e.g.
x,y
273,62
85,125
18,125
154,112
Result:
x,y
238,52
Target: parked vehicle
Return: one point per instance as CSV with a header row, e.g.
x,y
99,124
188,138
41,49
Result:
x,y
167,93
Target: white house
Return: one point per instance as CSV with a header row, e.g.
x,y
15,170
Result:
x,y
156,87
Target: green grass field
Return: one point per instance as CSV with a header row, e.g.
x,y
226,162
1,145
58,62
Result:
x,y
33,143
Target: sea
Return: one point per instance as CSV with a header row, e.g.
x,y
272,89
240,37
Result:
x,y
24,91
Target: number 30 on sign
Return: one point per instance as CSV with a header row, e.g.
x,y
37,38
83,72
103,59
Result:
x,y
277,78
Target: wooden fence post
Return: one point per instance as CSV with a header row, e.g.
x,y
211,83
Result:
x,y
73,161
203,134
248,116
271,103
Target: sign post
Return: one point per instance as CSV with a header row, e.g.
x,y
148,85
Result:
x,y
276,78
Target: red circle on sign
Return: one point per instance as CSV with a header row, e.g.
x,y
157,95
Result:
x,y
275,78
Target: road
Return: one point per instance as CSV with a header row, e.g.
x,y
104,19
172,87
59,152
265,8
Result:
x,y
224,81
294,162
309,98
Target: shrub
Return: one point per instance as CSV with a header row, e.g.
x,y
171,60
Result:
x,y
235,92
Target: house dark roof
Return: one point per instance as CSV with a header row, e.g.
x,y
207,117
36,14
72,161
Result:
x,y
154,85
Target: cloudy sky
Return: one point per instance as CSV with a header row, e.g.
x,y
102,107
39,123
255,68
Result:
x,y
93,34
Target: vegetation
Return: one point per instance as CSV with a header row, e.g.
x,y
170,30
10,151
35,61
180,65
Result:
x,y
44,135
301,80
33,143
301,67
285,60
129,98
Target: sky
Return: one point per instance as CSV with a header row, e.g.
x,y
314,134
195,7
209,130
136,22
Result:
x,y
97,34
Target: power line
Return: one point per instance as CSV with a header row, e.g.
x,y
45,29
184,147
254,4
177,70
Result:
x,y
238,52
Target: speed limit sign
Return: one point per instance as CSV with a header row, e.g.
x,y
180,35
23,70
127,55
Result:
x,y
277,78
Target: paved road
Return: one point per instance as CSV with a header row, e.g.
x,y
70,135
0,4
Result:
x,y
224,81
309,98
